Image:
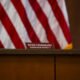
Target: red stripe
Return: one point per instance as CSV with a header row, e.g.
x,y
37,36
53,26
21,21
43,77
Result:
x,y
1,45
59,15
44,21
10,29
19,7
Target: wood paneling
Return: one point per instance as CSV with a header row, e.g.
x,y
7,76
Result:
x,y
26,68
68,68
73,7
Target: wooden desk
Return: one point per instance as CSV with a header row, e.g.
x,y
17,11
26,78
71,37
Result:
x,y
39,65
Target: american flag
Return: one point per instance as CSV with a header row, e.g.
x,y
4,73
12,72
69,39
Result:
x,y
34,21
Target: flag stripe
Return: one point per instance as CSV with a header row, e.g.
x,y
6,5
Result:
x,y
1,45
43,19
10,29
59,16
62,6
16,21
55,27
36,25
20,9
5,39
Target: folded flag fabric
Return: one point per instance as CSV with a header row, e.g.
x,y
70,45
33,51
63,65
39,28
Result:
x,y
34,21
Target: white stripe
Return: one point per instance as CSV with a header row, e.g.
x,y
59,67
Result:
x,y
4,37
62,6
16,21
36,25
55,27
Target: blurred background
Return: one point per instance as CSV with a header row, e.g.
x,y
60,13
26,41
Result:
x,y
73,8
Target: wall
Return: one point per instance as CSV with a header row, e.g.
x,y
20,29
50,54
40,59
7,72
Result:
x,y
74,15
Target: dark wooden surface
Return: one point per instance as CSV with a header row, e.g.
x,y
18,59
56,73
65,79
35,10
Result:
x,y
26,68
40,52
68,68
40,67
